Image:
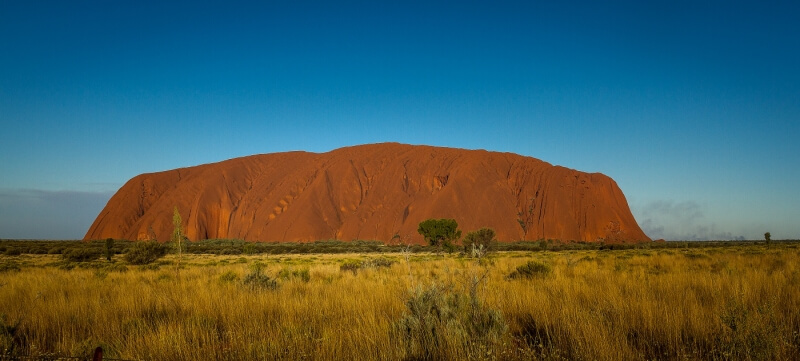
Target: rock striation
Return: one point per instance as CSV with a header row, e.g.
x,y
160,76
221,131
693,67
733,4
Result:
x,y
370,192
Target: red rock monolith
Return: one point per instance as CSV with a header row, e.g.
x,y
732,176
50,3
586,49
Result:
x,y
370,192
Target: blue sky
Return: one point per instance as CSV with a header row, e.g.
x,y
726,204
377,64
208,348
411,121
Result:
x,y
692,107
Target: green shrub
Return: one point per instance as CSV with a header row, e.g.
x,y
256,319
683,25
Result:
x,y
143,253
230,251
531,269
256,280
477,243
80,255
250,249
9,266
302,274
229,277
150,267
55,250
351,265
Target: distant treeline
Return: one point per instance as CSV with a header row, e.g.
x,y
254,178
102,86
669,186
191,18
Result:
x,y
239,247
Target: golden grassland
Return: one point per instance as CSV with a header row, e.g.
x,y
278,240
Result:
x,y
737,303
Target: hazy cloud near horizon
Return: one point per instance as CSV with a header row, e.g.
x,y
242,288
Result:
x,y
673,221
42,214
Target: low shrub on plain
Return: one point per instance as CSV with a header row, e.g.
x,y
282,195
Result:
x,y
477,244
302,274
355,265
440,323
351,265
80,255
531,269
229,277
256,280
143,253
9,266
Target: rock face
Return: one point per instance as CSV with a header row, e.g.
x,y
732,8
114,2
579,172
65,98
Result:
x,y
370,192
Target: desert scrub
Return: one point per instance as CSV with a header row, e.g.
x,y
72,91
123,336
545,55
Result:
x,y
115,267
289,273
351,265
9,266
12,252
80,255
531,269
257,280
380,262
143,253
355,265
229,277
440,324
55,250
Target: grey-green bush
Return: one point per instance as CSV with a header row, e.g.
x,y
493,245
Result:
x,y
9,266
80,255
145,252
440,324
352,266
531,269
477,243
228,277
256,280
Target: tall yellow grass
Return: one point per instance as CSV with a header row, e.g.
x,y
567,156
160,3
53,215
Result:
x,y
714,303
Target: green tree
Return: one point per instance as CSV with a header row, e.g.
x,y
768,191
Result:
x,y
477,243
440,232
109,248
767,237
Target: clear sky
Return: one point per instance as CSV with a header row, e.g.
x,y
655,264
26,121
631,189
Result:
x,y
693,107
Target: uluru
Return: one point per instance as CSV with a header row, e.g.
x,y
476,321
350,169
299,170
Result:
x,y
370,192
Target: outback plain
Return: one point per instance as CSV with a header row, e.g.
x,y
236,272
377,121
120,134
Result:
x,y
668,301
415,181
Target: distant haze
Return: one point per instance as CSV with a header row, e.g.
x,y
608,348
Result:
x,y
57,215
